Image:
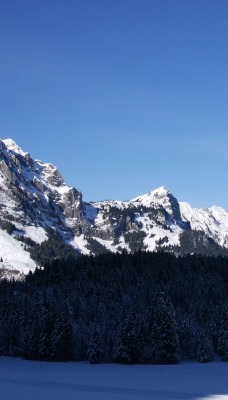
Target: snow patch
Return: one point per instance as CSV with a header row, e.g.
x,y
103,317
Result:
x,y
79,243
14,255
37,234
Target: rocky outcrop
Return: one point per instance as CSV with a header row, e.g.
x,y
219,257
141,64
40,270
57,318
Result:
x,y
52,175
34,192
72,204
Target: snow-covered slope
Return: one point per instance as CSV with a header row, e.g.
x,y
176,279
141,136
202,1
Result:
x,y
34,198
13,254
155,214
34,190
213,221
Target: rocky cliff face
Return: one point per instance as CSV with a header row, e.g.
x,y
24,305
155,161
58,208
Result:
x,y
34,193
34,198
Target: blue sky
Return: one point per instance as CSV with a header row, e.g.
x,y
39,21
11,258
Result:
x,y
123,96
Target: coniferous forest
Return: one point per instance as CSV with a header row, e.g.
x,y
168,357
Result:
x,y
126,308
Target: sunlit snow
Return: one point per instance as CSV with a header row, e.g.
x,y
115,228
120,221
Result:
x,y
13,254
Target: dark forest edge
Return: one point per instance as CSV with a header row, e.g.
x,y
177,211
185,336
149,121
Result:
x,y
127,308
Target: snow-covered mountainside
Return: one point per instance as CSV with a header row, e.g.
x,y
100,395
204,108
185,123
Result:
x,y
34,198
213,221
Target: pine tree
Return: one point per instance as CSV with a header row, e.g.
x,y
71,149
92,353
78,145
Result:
x,y
31,327
62,335
95,352
125,350
205,350
223,344
141,341
164,341
48,321
223,334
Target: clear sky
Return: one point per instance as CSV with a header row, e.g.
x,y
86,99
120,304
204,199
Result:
x,y
123,96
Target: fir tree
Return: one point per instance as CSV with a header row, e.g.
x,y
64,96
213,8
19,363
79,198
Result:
x,y
62,336
223,334
164,339
205,350
48,322
95,352
126,347
223,344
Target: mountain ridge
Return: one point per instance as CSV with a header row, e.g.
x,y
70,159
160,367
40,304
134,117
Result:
x,y
34,198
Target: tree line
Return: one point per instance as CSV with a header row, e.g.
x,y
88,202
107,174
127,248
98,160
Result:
x,y
126,308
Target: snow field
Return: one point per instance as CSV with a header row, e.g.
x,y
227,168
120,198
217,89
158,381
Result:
x,y
26,380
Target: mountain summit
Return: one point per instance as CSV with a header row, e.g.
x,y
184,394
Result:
x,y
35,200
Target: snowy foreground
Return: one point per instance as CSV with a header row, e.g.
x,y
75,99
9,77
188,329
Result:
x,y
26,380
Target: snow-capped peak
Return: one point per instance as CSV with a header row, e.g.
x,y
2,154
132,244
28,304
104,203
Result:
x,y
153,196
161,190
162,197
11,145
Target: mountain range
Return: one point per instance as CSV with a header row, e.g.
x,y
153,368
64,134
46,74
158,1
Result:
x,y
36,203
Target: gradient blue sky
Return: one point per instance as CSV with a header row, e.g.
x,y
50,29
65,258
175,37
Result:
x,y
123,96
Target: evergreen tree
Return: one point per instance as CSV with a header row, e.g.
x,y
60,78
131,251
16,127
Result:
x,y
126,347
223,344
81,341
95,352
205,350
141,341
223,334
48,322
164,345
62,336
